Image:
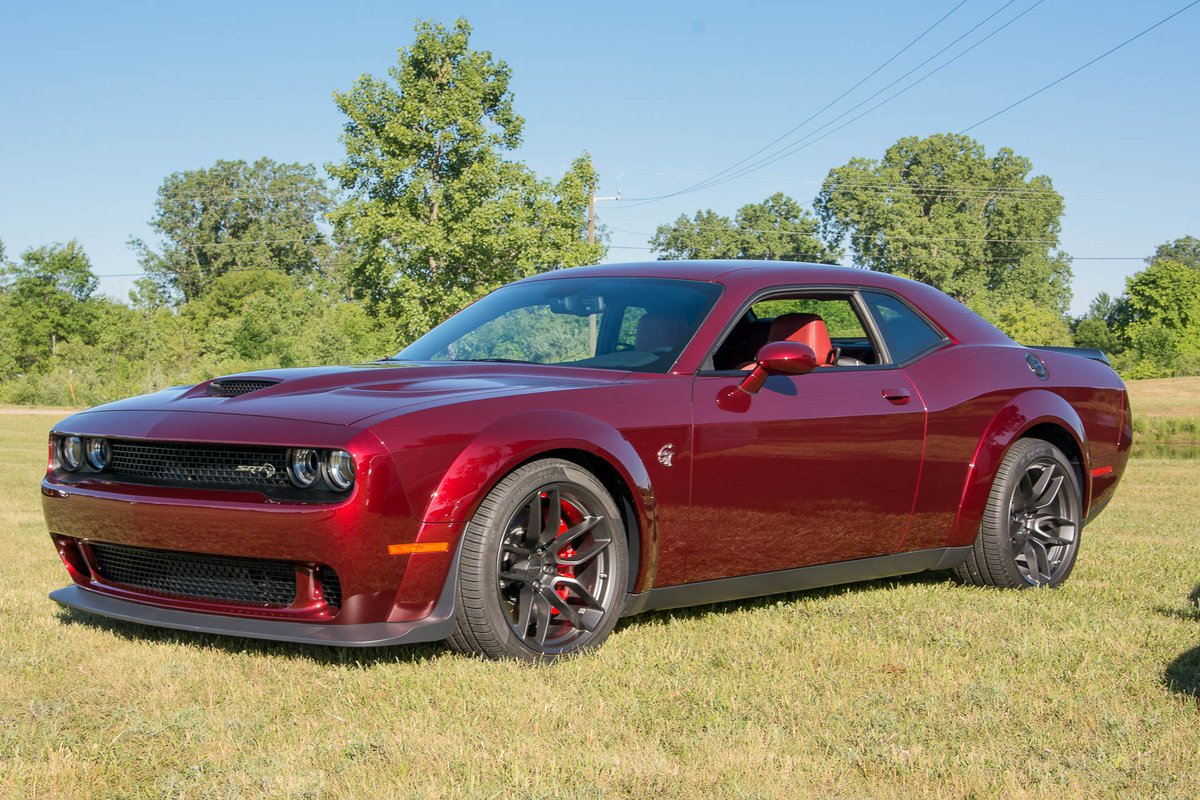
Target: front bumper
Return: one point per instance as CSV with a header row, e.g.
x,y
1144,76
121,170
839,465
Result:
x,y
435,627
353,537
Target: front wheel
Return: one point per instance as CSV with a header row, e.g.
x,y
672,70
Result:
x,y
543,566
1030,531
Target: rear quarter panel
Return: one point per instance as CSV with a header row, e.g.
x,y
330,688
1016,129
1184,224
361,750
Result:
x,y
982,398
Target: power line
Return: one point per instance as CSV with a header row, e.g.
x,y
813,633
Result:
x,y
814,181
943,257
248,242
230,269
647,249
828,105
1077,70
318,239
800,145
1027,194
856,236
889,187
771,159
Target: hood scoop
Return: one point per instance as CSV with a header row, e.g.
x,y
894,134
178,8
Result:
x,y
236,387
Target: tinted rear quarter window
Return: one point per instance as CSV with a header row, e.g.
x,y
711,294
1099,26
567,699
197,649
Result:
x,y
907,335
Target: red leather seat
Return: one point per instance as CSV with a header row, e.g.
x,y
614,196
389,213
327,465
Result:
x,y
807,329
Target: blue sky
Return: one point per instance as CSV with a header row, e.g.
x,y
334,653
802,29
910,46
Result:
x,y
100,101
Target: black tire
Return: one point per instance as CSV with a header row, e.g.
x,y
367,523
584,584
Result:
x,y
535,585
1030,532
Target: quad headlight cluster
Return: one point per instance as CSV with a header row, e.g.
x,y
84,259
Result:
x,y
305,466
75,452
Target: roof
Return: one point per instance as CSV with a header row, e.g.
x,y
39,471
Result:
x,y
707,270
736,272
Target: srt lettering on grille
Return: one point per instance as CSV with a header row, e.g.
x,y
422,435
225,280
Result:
x,y
265,470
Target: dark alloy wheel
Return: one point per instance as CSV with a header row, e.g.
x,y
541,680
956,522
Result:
x,y
543,566
1042,524
1031,527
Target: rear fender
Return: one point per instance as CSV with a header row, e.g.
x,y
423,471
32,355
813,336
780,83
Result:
x,y
1020,414
514,440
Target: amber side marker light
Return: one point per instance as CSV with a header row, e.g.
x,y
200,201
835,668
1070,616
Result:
x,y
417,547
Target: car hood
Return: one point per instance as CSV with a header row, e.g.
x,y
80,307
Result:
x,y
347,395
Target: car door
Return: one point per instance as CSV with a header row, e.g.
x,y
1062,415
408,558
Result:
x,y
812,469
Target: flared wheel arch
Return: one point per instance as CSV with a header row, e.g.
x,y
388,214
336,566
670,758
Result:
x,y
570,436
1042,415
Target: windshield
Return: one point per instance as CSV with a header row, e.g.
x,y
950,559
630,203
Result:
x,y
638,324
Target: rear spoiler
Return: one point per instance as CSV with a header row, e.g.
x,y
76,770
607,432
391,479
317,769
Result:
x,y
1083,352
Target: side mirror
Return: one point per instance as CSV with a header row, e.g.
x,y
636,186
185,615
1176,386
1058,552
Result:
x,y
779,358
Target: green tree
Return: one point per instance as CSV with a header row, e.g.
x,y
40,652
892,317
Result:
x,y
46,302
1185,250
435,215
233,216
941,211
1029,325
777,229
1098,328
256,320
1162,325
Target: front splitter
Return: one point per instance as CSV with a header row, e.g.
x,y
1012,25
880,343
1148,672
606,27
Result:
x,y
435,627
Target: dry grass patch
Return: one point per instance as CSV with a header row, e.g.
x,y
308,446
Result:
x,y
1165,397
1166,411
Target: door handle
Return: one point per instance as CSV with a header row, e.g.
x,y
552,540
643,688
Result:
x,y
898,395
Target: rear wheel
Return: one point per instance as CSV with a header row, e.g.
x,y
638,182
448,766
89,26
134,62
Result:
x,y
543,566
1030,531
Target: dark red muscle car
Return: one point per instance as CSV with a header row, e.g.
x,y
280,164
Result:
x,y
587,444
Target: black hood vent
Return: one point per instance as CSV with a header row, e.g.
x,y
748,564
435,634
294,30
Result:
x,y
235,387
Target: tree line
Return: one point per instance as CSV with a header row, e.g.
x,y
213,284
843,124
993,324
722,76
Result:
x,y
264,264
983,230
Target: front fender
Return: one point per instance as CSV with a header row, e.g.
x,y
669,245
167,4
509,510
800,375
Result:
x,y
513,440
1020,414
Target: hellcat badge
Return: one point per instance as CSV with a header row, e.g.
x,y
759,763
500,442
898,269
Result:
x,y
665,454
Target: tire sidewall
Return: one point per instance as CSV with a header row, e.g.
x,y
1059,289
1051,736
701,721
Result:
x,y
996,517
489,526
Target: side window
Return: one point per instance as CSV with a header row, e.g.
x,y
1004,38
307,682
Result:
x,y
906,333
828,323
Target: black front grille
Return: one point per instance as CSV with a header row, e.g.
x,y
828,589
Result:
x,y
233,387
180,464
258,581
331,587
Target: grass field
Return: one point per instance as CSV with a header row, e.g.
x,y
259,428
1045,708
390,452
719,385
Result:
x,y
893,689
1166,410
1165,397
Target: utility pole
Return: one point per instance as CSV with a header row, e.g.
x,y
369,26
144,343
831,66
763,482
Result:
x,y
592,198
592,216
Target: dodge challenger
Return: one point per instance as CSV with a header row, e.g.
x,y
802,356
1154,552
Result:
x,y
588,444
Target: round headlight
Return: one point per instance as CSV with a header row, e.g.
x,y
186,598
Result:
x,y
70,453
98,453
339,470
304,466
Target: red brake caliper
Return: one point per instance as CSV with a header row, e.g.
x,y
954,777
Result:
x,y
565,571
